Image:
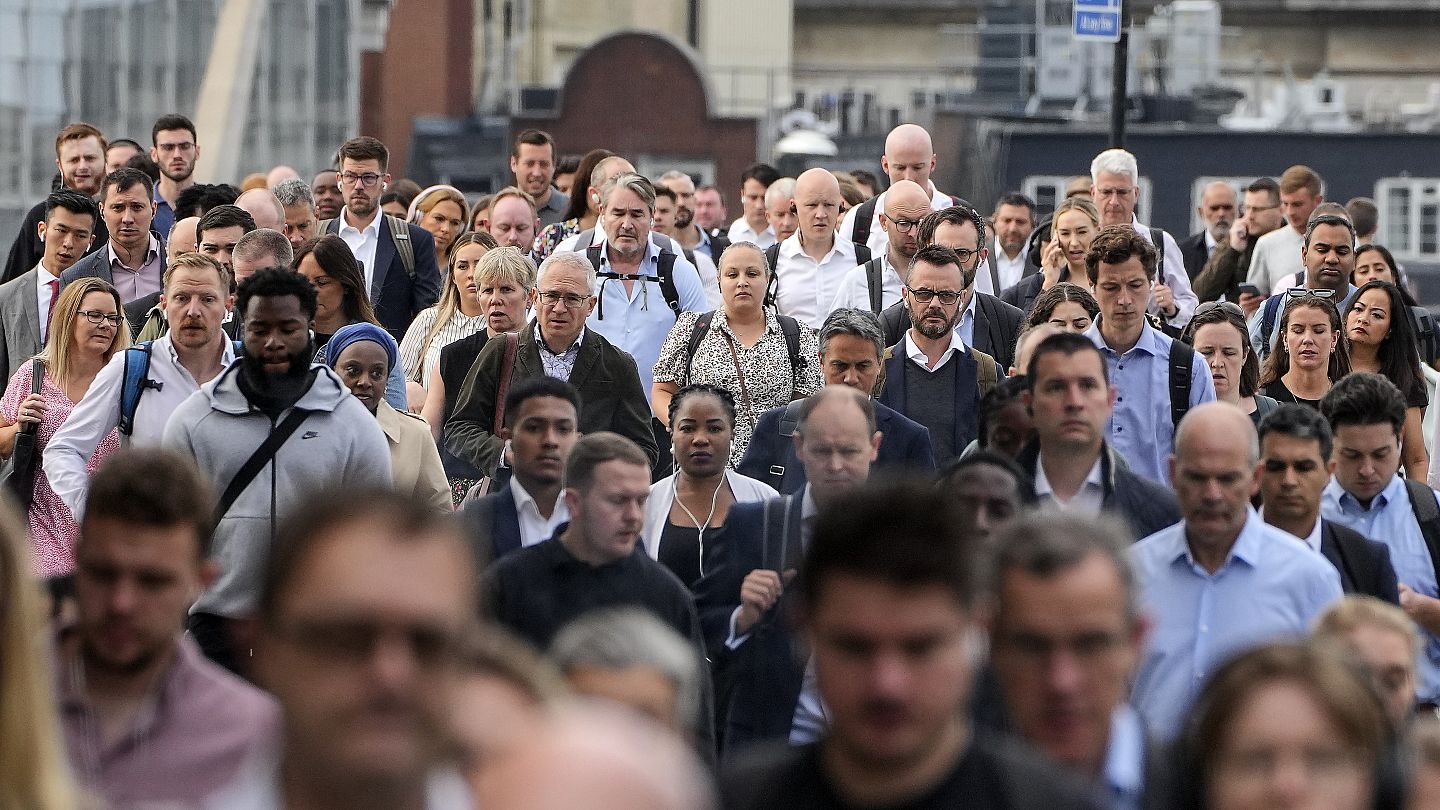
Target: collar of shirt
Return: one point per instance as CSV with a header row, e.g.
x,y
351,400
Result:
x,y
560,557
151,251
545,347
914,352
1210,242
1151,341
1125,756
1392,493
73,697
525,502
1247,547
791,248
227,350
1312,540
43,276
1093,480
1001,260
371,230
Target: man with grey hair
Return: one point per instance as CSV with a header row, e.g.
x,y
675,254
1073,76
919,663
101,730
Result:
x,y
780,208
558,344
1217,209
1115,190
1065,603
851,346
1221,580
642,286
628,656
298,204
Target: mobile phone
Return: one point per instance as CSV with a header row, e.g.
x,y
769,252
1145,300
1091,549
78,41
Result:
x,y
1250,289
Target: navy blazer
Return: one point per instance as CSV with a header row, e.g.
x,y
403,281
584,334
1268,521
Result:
x,y
997,326
767,671
396,297
1364,564
966,397
493,525
904,444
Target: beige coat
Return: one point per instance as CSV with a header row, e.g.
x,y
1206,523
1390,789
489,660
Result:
x,y
414,460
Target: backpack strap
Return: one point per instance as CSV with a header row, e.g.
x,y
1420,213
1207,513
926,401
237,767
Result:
x,y
1427,514
697,334
875,283
862,253
772,258
133,384
860,234
790,419
790,328
263,455
1267,325
1182,360
987,374
667,280
400,234
1157,239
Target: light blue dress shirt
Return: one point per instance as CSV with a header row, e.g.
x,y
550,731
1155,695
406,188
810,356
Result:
x,y
965,327
638,322
1140,427
1269,588
1124,786
1391,520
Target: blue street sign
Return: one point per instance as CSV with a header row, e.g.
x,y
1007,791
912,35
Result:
x,y
1097,20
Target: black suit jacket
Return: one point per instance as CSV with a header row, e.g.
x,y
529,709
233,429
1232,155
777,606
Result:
x,y
1195,254
767,670
1364,564
771,457
1023,294
493,525
997,326
1145,506
395,295
606,377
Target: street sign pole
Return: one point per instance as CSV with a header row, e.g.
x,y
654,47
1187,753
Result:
x,y
1118,75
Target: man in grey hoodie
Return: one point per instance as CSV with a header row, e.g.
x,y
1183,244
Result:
x,y
325,438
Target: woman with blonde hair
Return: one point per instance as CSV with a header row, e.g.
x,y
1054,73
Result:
x,y
1058,248
87,327
442,211
33,771
459,313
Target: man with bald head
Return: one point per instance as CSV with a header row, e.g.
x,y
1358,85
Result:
x,y
279,173
1217,210
876,284
909,155
264,208
1221,580
182,238
810,265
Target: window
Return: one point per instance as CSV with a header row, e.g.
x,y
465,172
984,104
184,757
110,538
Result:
x,y
1047,190
1410,216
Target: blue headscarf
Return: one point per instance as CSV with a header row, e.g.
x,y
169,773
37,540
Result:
x,y
356,332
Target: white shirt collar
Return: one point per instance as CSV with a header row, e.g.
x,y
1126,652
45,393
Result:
x,y
43,276
373,229
915,353
1313,540
1210,242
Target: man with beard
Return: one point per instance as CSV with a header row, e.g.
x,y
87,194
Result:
x,y
175,149
1006,262
127,672
689,232
921,381
1217,209
80,157
269,431
197,297
397,258
906,204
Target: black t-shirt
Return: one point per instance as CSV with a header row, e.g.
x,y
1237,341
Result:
x,y
993,774
1278,392
1417,396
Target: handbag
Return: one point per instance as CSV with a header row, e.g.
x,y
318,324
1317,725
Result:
x,y
25,458
507,370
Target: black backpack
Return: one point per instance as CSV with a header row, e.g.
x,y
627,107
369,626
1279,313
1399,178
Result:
x,y
772,256
666,279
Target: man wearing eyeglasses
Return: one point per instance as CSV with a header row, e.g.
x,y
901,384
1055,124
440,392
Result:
x,y
1328,252
909,155
811,265
1229,262
398,258
364,613
906,204
931,376
175,149
558,344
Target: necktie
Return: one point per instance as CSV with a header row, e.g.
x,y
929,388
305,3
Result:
x,y
54,296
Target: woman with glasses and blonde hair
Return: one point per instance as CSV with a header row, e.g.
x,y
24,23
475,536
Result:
x,y
442,211
87,328
33,771
459,313
1309,353
503,279
1218,333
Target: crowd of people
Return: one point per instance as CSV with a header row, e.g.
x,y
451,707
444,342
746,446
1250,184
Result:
x,y
348,493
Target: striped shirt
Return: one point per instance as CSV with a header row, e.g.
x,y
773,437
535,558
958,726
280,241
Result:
x,y
460,325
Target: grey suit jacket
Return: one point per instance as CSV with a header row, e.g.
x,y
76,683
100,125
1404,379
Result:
x,y
19,323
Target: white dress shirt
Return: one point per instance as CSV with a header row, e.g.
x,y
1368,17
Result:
x,y
877,241
42,298
915,353
535,528
1087,501
740,231
363,244
807,287
1009,270
855,287
98,412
